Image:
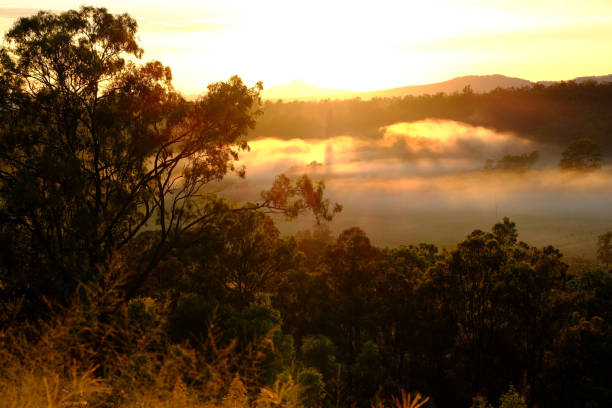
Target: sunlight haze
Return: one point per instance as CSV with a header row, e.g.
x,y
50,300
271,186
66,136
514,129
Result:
x,y
360,45
413,211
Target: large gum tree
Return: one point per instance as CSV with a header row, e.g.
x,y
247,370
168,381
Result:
x,y
96,147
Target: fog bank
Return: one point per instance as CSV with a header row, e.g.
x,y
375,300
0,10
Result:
x,y
424,181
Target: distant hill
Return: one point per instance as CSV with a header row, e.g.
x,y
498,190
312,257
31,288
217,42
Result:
x,y
478,83
600,78
300,90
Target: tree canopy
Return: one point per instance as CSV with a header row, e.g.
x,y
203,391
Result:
x,y
96,148
582,154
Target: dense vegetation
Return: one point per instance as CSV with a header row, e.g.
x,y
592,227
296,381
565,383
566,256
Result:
x,y
125,282
557,114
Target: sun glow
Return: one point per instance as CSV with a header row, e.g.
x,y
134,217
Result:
x,y
361,45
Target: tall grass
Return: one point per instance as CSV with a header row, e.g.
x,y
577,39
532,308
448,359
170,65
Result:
x,y
101,352
406,401
85,356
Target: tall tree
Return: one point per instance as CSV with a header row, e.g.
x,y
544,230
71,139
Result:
x,y
582,154
353,267
604,248
96,148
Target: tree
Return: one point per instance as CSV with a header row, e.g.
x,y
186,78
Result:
x,y
353,266
604,248
505,232
467,279
242,255
583,154
506,300
320,353
517,163
96,148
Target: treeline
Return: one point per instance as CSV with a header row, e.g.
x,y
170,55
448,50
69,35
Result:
x,y
556,114
244,317
365,322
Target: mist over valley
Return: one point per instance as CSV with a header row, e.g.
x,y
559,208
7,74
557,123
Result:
x,y
425,181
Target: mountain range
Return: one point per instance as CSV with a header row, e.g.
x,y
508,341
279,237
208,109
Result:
x,y
300,90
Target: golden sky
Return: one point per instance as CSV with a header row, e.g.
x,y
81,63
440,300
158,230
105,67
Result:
x,y
362,45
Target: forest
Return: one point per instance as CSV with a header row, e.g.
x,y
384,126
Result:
x,y
554,114
126,280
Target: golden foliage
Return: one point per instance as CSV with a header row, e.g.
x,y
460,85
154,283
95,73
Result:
x,y
407,401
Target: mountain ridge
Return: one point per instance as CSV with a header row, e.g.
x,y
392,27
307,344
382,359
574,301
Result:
x,y
298,90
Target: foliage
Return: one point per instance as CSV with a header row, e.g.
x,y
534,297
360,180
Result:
x,y
309,196
320,353
480,401
505,232
236,395
283,393
313,387
511,399
517,163
367,371
549,115
96,149
604,248
190,319
583,154
407,401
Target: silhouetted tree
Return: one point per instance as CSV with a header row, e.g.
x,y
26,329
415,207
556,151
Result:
x,y
517,163
96,148
578,372
506,300
604,248
505,232
583,154
353,265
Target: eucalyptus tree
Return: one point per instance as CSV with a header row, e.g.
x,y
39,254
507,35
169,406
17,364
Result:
x,y
97,147
583,154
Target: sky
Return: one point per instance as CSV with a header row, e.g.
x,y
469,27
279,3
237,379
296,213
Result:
x,y
361,45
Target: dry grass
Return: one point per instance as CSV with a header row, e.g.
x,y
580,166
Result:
x,y
30,387
406,401
75,360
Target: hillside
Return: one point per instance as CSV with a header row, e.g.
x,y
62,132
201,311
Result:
x,y
479,83
300,90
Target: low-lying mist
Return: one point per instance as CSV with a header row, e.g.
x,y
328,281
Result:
x,y
425,182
